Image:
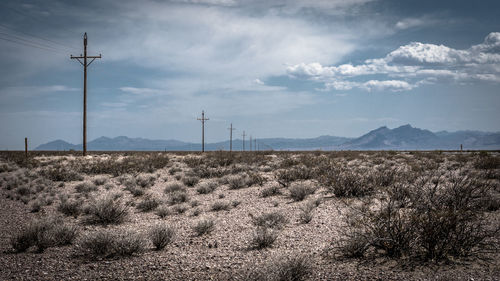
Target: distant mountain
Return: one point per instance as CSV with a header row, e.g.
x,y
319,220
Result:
x,y
409,138
402,138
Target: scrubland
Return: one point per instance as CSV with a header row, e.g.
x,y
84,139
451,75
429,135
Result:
x,y
343,215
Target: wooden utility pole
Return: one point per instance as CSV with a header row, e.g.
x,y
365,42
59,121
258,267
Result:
x,y
244,140
250,142
26,148
231,129
85,65
255,145
203,119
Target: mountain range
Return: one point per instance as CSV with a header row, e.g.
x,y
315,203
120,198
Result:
x,y
401,138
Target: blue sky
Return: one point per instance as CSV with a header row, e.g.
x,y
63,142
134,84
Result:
x,y
273,68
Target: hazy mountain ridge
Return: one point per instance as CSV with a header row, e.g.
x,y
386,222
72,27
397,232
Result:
x,y
383,138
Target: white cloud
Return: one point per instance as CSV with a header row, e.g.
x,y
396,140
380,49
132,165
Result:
x,y
417,62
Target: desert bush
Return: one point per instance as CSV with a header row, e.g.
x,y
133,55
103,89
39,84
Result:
x,y
133,164
145,180
263,237
85,187
148,204
220,206
237,181
174,170
69,207
161,236
44,233
299,191
255,179
60,173
435,218
204,226
109,243
347,182
173,187
180,209
163,211
36,205
287,176
274,220
178,197
487,162
135,190
108,209
306,214
270,191
206,187
292,268
100,180
190,180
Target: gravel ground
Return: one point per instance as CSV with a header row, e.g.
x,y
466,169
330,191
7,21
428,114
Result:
x,y
196,258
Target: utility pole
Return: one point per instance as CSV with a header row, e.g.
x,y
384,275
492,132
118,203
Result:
x,y
203,119
85,65
250,142
255,145
26,148
231,129
244,140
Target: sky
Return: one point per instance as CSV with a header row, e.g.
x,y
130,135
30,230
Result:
x,y
274,68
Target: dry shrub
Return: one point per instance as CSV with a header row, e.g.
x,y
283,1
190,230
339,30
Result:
x,y
69,207
220,206
237,181
44,233
204,226
85,187
111,243
108,209
60,173
307,212
286,176
270,191
283,268
274,220
300,190
161,235
163,211
173,187
263,237
432,218
148,204
348,182
178,197
190,180
206,187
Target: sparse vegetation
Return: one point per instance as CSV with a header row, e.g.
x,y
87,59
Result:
x,y
44,233
263,237
161,236
204,226
299,191
107,244
108,209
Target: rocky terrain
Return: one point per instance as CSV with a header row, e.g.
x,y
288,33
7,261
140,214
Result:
x,y
250,216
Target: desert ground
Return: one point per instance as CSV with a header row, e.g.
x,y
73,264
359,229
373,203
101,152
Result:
x,y
343,215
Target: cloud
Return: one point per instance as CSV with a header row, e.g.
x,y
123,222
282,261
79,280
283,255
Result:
x,y
413,64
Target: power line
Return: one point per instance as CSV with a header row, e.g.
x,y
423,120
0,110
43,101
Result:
x,y
68,47
30,41
30,45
